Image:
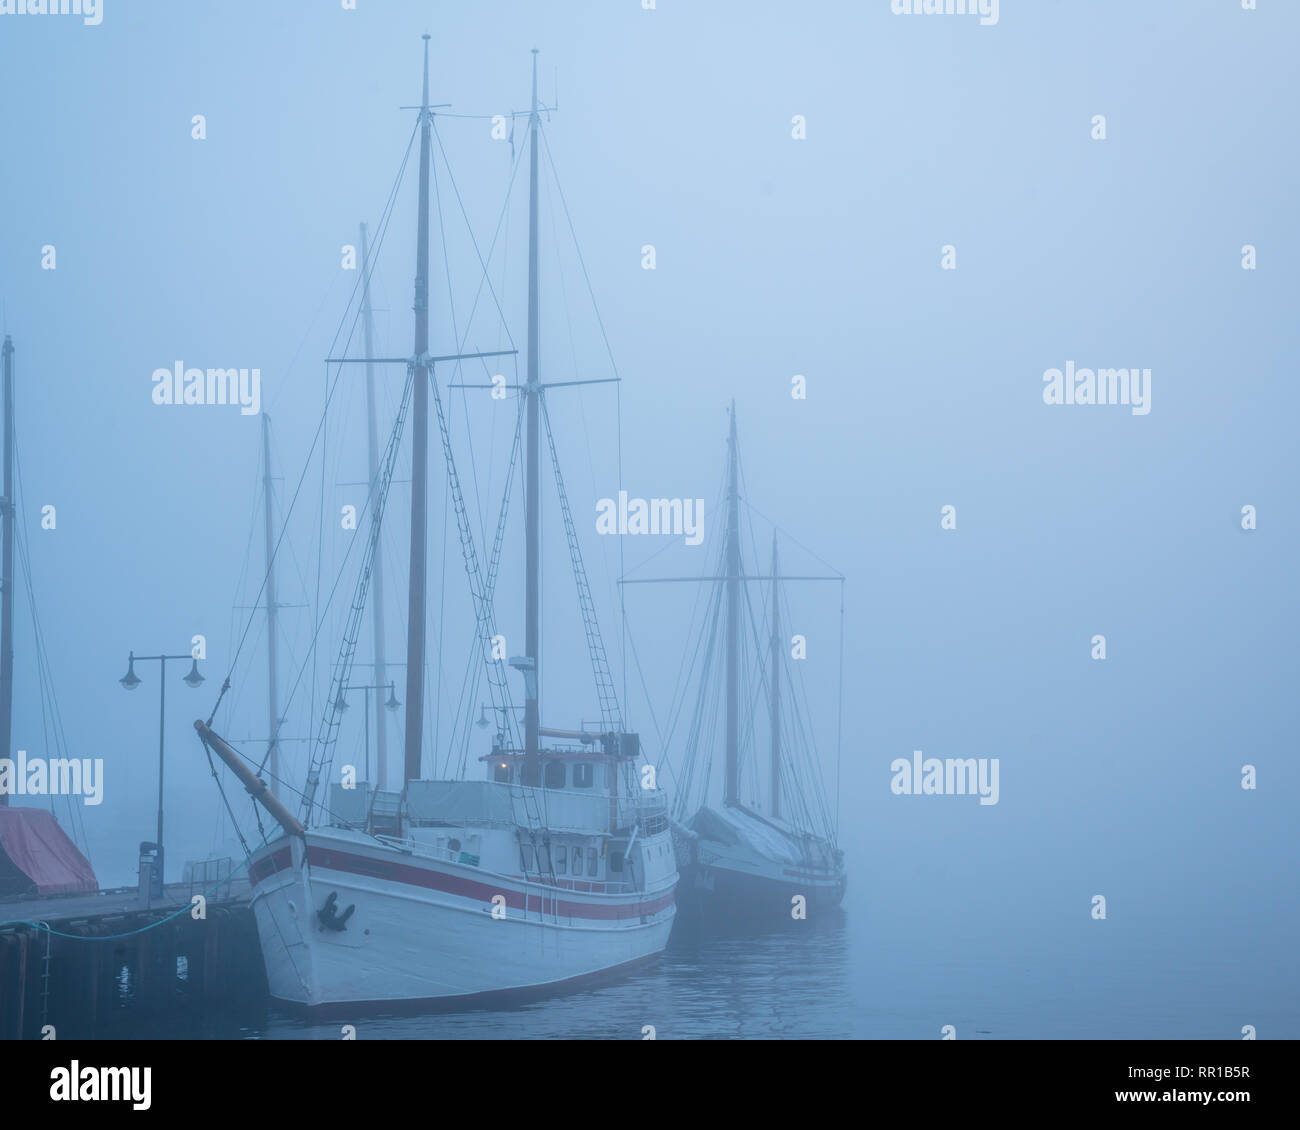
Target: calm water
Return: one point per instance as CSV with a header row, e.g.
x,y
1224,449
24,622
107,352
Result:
x,y
893,965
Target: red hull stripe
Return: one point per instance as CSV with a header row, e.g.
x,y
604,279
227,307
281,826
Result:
x,y
332,859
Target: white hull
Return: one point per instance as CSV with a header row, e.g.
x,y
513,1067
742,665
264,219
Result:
x,y
423,929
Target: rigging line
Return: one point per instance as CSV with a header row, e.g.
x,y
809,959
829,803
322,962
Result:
x,y
383,230
789,536
839,718
546,146
707,644
314,641
241,590
586,432
322,758
810,749
485,613
373,499
703,594
442,626
607,696
804,741
466,693
469,228
45,672
312,650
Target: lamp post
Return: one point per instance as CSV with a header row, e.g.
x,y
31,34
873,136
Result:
x,y
391,704
130,681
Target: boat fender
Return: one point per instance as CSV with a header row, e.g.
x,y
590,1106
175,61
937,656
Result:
x,y
330,918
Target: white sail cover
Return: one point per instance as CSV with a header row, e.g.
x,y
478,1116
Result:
x,y
731,824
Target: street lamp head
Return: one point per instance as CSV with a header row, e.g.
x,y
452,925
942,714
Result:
x,y
193,679
130,680
392,703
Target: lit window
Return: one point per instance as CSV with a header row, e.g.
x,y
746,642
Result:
x,y
555,774
501,771
582,775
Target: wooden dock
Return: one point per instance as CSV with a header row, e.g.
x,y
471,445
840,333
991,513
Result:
x,y
68,963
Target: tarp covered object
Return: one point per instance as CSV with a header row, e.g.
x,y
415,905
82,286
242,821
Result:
x,y
37,857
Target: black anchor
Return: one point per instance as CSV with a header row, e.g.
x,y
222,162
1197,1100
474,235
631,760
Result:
x,y
330,918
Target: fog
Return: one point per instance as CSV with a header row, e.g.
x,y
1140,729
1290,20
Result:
x,y
774,257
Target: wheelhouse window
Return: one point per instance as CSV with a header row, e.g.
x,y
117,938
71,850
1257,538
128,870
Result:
x,y
616,862
555,774
577,861
543,859
593,862
583,775
561,858
501,771
526,856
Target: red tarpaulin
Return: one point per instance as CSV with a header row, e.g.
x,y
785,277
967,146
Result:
x,y
33,844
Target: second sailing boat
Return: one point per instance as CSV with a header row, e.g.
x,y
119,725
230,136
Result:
x,y
739,865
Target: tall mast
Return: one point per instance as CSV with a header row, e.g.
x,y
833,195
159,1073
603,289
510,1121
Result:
x,y
377,566
419,457
732,573
532,501
776,688
7,577
273,704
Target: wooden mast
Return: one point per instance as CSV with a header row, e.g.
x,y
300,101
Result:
x,y
273,704
7,573
732,572
377,580
776,689
419,457
532,610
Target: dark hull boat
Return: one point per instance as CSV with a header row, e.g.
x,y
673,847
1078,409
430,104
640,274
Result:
x,y
740,866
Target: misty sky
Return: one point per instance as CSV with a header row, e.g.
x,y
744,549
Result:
x,y
774,257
